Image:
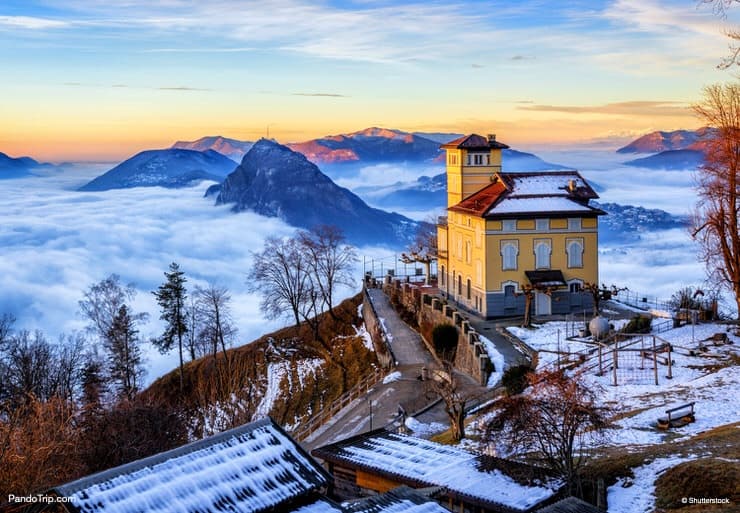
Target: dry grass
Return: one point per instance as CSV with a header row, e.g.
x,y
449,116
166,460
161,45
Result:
x,y
703,478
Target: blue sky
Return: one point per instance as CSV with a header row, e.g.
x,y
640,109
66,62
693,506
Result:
x,y
86,79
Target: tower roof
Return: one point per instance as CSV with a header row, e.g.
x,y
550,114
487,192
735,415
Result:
x,y
475,142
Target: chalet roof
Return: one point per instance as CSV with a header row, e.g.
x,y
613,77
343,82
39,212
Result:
x,y
570,505
418,462
474,142
253,468
399,500
529,194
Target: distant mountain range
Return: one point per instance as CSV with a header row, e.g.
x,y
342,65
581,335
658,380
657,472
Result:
x,y
656,142
19,167
671,159
275,181
164,168
369,145
231,148
680,149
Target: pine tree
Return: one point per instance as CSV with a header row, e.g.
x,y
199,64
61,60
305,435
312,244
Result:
x,y
124,360
171,297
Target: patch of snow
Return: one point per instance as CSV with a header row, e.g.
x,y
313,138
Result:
x,y
388,334
393,376
367,340
638,494
499,363
421,429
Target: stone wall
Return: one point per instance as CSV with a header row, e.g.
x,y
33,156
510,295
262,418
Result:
x,y
471,356
377,333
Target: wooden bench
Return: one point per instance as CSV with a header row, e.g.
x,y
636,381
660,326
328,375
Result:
x,y
677,417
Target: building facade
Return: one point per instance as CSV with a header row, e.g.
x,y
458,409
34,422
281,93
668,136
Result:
x,y
508,233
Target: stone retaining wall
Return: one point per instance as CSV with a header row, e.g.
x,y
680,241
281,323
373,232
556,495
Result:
x,y
377,333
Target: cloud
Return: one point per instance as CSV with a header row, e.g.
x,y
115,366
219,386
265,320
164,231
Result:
x,y
55,242
201,50
477,66
522,58
182,88
31,23
321,95
629,108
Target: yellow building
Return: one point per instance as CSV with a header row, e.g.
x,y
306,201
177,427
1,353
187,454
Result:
x,y
505,232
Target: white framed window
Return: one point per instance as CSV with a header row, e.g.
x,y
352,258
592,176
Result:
x,y
575,286
542,252
542,225
468,251
574,224
510,288
574,249
509,254
509,225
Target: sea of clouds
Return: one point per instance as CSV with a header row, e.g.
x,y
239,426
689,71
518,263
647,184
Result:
x,y
55,242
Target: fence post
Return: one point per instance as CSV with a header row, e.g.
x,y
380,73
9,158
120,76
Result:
x,y
655,362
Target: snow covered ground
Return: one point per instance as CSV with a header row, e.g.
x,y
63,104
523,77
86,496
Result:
x,y
709,378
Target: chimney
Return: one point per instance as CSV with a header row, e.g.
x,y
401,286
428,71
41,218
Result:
x,y
571,186
491,137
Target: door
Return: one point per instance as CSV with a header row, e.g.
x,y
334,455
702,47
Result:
x,y
542,304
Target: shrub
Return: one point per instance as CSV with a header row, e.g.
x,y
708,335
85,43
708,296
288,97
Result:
x,y
515,379
638,324
444,338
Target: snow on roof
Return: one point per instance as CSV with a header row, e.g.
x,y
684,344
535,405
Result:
x,y
247,469
399,500
544,183
320,506
427,463
561,204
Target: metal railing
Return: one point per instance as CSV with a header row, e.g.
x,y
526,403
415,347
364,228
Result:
x,y
311,425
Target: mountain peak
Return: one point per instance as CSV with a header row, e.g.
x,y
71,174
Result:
x,y
275,181
660,141
232,148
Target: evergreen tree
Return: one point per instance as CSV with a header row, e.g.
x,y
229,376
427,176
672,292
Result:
x,y
171,297
124,360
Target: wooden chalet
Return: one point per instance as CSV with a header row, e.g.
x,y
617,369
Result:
x,y
379,461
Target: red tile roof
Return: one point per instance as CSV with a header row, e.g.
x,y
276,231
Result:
x,y
474,142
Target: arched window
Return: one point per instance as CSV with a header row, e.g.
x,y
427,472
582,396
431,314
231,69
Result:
x,y
509,296
459,285
509,252
574,248
469,289
542,254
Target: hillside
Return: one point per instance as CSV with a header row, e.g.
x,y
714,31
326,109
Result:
x,y
164,168
285,374
659,141
274,181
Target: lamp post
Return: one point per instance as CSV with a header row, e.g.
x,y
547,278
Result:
x,y
370,405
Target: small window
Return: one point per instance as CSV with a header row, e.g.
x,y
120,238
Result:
x,y
542,225
469,289
469,159
542,254
509,252
488,159
575,286
574,248
574,225
442,276
509,225
468,251
459,285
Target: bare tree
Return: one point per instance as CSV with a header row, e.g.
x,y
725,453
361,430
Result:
x,y
720,8
101,303
551,423
329,259
281,274
716,219
213,313
447,385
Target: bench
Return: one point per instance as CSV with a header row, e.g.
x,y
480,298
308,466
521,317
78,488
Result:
x,y
678,416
